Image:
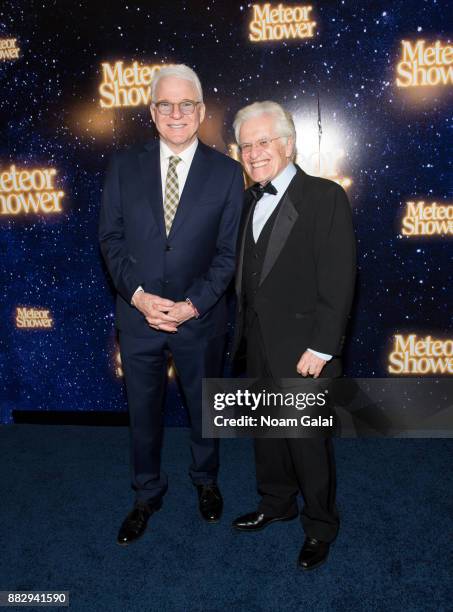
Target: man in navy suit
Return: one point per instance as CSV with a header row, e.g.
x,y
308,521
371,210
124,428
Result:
x,y
168,229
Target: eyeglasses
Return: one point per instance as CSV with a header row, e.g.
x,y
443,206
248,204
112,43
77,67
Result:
x,y
186,107
264,143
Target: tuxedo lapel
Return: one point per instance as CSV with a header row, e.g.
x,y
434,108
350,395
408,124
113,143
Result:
x,y
150,173
286,218
284,223
200,169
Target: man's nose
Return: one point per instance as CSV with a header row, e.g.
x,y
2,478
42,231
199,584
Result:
x,y
176,112
255,152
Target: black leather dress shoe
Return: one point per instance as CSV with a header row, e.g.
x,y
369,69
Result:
x,y
134,525
313,554
210,502
255,521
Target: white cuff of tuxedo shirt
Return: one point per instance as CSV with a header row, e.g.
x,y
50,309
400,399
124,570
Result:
x,y
323,356
317,353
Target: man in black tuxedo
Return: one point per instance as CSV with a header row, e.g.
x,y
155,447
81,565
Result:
x,y
294,284
168,229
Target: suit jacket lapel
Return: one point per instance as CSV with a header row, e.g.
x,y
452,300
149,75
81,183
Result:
x,y
286,218
284,223
150,173
196,179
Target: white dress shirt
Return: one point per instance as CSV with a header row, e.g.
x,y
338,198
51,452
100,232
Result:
x,y
266,206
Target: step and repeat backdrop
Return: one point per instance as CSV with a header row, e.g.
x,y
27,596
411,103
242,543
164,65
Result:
x,y
370,88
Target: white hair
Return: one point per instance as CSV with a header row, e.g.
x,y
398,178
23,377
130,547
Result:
x,y
180,71
284,123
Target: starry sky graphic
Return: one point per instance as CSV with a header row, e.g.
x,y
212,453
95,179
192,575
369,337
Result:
x,y
397,148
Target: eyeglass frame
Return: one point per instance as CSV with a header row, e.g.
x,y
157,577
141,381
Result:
x,y
257,143
178,104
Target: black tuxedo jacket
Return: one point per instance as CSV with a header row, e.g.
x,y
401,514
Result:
x,y
308,275
197,260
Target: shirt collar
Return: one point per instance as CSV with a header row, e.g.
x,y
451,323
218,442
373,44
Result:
x,y
186,155
282,180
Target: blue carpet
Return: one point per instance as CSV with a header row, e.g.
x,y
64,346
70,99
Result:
x,y
65,491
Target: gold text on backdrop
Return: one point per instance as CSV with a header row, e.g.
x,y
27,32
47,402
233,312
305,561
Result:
x,y
29,191
412,355
126,85
425,65
280,23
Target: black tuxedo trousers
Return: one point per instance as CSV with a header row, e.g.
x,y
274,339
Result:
x,y
287,467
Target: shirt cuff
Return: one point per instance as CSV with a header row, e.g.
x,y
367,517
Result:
x,y
320,355
138,290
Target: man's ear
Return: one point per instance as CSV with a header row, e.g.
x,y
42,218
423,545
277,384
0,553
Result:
x,y
202,112
289,147
152,110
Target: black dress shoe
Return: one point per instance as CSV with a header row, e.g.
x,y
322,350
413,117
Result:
x,y
210,502
313,554
255,521
134,525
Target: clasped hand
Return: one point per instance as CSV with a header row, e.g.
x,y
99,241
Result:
x,y
162,314
310,365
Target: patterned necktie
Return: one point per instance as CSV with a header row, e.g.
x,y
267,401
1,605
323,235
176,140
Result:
x,y
171,193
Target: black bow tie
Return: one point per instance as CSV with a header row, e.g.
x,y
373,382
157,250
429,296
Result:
x,y
258,190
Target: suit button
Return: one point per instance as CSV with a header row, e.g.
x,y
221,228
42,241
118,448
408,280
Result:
x,y
255,256
168,248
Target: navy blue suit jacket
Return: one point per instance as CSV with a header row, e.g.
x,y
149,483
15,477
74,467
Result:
x,y
197,260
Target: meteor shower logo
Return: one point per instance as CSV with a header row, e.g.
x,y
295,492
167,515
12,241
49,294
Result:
x,y
427,219
29,191
412,355
281,23
8,49
126,85
425,65
33,318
